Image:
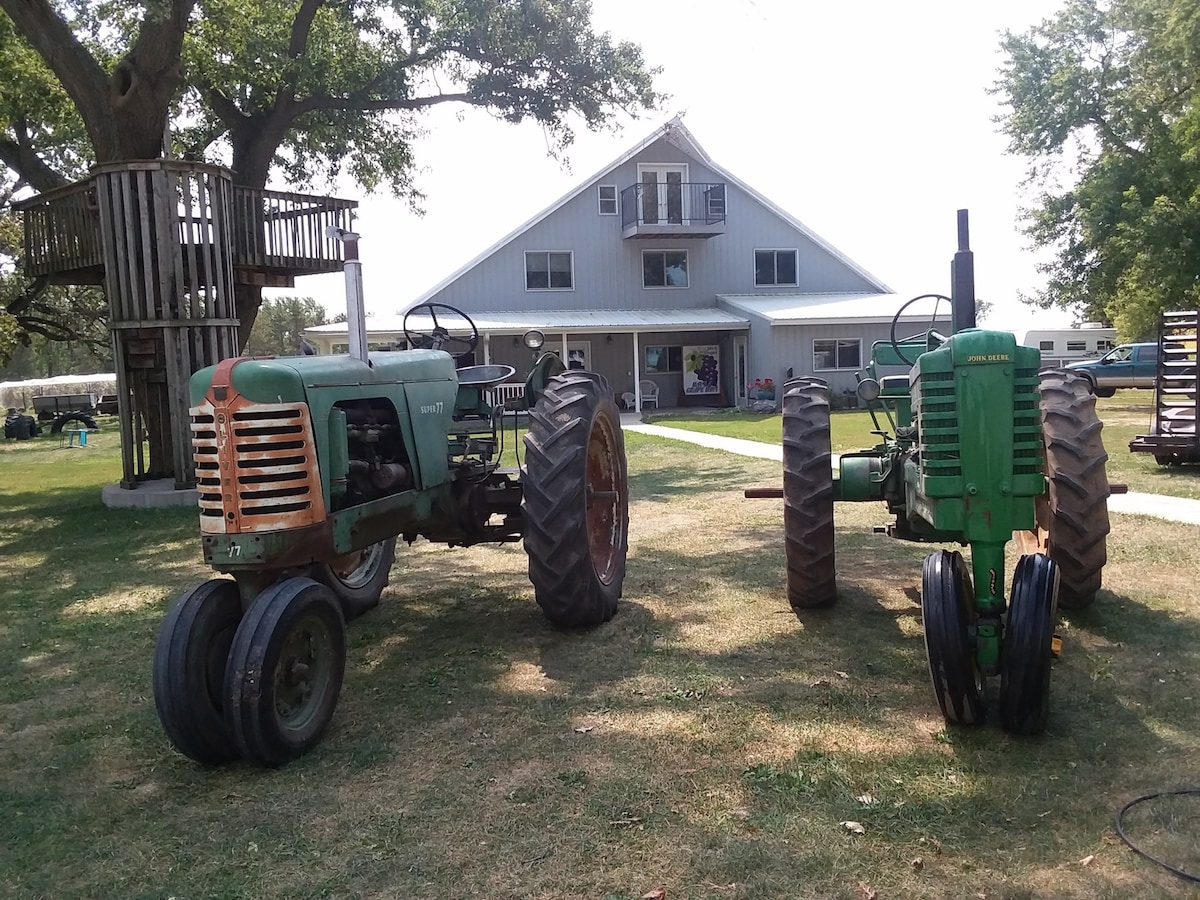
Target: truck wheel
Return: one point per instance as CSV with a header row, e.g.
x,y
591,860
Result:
x,y
189,668
808,496
285,671
947,606
1026,655
357,579
1072,519
575,500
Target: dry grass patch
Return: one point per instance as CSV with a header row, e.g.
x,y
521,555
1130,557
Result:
x,y
705,739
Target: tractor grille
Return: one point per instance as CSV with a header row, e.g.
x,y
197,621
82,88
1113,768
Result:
x,y
255,467
940,451
1027,423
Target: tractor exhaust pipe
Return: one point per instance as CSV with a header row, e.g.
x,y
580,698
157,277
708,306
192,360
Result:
x,y
356,313
962,280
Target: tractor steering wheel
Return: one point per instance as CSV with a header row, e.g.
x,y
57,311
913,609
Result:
x,y
440,338
932,321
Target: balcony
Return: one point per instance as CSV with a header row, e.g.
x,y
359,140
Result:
x,y
673,209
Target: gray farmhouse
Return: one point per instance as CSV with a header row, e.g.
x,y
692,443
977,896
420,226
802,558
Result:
x,y
671,277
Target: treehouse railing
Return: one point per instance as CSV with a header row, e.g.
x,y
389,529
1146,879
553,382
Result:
x,y
274,232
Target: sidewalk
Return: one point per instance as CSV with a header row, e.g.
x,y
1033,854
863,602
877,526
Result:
x,y
1173,509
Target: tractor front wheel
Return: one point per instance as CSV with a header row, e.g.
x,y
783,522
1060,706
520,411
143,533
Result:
x,y
357,579
1026,654
947,606
189,667
1072,519
808,495
575,500
285,671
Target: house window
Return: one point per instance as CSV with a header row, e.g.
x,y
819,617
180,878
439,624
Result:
x,y
1076,346
837,353
546,271
607,194
775,267
1046,345
664,268
663,359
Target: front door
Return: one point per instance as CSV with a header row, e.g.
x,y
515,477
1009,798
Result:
x,y
664,200
740,368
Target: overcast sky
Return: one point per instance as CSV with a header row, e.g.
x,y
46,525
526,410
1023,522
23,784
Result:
x,y
870,122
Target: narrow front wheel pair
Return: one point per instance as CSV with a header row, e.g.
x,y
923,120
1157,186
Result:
x,y
1026,653
262,686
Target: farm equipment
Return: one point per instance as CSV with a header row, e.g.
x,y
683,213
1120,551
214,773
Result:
x,y
309,468
977,448
1174,438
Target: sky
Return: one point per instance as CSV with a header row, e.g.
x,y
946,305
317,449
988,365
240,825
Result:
x,y
870,122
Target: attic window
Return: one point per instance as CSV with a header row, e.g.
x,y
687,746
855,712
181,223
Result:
x,y
607,196
775,267
548,271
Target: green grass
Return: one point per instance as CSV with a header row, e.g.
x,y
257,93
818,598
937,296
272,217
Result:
x,y
1125,416
706,740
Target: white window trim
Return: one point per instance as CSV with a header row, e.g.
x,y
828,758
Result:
x,y
754,268
837,368
666,287
525,272
616,200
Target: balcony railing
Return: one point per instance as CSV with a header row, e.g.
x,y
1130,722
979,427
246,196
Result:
x,y
683,209
274,233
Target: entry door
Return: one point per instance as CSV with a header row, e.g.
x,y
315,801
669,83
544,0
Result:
x,y
663,197
740,368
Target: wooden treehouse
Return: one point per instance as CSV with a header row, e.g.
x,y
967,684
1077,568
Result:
x,y
173,244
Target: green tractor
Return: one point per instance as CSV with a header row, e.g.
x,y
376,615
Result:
x,y
310,468
978,447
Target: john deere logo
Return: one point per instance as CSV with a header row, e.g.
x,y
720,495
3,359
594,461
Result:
x,y
989,357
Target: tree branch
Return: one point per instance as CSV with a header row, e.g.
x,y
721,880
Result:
x,y
22,159
85,82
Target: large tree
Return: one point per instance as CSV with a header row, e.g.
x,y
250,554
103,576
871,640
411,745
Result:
x,y
279,326
1103,99
305,89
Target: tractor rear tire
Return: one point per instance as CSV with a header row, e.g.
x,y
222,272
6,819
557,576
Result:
x,y
285,671
575,500
1026,656
189,670
808,496
358,579
947,607
1072,521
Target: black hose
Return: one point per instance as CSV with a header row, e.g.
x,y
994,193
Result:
x,y
1188,876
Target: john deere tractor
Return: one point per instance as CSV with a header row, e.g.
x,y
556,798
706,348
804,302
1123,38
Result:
x,y
310,468
978,448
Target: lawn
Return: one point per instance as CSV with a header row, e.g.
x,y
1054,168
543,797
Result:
x,y
1125,416
705,741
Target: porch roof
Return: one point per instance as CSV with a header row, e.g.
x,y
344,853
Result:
x,y
573,321
830,309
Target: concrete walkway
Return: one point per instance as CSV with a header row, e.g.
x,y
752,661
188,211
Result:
x,y
1173,509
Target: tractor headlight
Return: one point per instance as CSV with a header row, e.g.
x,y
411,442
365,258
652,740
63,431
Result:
x,y
534,340
868,389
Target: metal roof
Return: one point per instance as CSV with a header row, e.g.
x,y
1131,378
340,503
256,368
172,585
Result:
x,y
707,318
830,309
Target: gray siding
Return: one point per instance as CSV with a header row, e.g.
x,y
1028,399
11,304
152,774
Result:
x,y
608,267
791,346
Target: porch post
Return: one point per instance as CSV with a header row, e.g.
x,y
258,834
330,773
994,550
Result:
x,y
487,348
637,376
564,350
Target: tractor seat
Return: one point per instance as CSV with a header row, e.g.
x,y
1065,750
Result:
x,y
893,386
484,375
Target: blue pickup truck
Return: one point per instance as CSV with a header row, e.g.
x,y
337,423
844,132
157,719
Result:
x,y
1126,366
